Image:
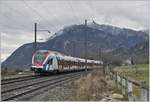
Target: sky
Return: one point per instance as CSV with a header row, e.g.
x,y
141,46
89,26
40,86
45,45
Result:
x,y
17,18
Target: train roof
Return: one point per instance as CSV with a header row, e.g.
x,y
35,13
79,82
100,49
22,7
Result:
x,y
69,58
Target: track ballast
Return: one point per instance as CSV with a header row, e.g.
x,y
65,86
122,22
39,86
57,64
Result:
x,y
25,90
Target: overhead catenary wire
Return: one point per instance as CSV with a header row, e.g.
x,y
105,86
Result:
x,y
17,24
92,9
73,12
57,19
12,19
35,11
40,18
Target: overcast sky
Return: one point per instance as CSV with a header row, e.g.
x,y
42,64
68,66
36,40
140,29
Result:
x,y
17,18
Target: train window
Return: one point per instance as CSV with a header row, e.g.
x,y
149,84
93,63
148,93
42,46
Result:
x,y
39,57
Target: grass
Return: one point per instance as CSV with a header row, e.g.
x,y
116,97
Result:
x,y
93,87
13,74
137,72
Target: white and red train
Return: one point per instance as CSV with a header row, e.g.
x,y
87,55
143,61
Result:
x,y
51,61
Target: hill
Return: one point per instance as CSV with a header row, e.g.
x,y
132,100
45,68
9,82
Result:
x,y
139,53
70,41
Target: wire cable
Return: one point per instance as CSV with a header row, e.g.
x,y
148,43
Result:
x,y
73,12
34,10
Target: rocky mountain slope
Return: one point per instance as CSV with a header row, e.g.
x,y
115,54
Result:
x,y
70,41
139,52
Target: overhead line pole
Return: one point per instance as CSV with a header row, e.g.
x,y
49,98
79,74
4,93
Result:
x,y
35,37
100,54
85,45
74,49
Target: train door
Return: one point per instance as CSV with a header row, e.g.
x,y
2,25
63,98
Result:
x,y
55,63
49,64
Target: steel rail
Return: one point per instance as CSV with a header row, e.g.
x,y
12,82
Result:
x,y
40,85
23,86
19,79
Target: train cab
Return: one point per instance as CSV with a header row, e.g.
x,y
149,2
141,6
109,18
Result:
x,y
44,61
38,60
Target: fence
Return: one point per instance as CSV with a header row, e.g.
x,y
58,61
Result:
x,y
126,85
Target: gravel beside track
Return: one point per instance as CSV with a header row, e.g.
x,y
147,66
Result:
x,y
27,87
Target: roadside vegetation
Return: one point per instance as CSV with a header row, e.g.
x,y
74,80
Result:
x,y
5,72
13,73
95,87
137,72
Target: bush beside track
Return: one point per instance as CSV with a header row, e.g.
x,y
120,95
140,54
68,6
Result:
x,y
94,87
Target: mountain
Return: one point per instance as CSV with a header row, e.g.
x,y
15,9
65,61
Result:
x,y
70,41
139,52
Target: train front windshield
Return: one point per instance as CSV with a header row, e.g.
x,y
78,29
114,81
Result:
x,y
39,58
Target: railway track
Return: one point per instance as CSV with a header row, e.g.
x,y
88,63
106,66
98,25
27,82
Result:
x,y
25,90
19,79
19,84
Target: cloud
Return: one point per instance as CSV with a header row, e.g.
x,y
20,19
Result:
x,y
18,17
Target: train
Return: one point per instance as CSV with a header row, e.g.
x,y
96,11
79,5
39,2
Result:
x,y
44,61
